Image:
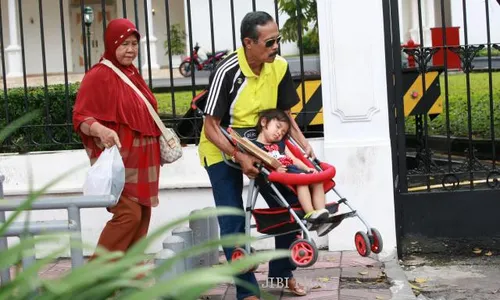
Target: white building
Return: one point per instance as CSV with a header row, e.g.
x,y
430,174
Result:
x,y
201,30
356,138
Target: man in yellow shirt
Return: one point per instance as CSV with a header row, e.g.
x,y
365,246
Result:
x,y
251,79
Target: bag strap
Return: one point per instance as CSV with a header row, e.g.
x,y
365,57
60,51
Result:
x,y
165,132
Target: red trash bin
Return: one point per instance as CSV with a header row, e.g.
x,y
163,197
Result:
x,y
452,39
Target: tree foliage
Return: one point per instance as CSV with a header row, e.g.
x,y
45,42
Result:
x,y
304,11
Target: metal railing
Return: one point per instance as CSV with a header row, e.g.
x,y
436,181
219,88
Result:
x,y
446,107
46,40
28,229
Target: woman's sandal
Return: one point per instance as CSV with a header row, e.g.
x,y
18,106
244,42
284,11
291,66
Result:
x,y
296,288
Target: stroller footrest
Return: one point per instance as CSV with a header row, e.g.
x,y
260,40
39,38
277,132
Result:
x,y
280,220
339,218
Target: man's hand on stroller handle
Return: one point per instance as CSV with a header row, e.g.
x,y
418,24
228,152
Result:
x,y
247,163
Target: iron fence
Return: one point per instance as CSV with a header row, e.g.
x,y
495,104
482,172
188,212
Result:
x,y
446,96
30,41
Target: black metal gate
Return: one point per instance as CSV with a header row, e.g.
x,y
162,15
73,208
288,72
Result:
x,y
444,97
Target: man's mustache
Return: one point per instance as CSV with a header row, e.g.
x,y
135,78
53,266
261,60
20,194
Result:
x,y
273,54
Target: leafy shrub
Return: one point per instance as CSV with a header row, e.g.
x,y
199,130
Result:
x,y
457,109
51,129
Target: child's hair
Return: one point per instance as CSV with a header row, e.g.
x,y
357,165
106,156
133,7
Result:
x,y
272,114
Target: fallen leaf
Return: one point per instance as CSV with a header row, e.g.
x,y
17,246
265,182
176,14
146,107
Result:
x,y
379,298
415,287
357,281
420,280
330,259
477,250
363,273
489,253
323,279
316,287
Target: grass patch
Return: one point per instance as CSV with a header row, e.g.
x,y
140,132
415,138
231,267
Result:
x,y
457,97
484,52
182,102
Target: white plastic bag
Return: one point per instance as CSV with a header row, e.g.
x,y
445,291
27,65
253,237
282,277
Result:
x,y
107,175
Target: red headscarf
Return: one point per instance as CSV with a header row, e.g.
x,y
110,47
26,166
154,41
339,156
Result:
x,y
106,97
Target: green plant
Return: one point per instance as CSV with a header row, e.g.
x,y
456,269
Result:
x,y
308,18
457,108
49,130
114,275
484,52
310,42
177,40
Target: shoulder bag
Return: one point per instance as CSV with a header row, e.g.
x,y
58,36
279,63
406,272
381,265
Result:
x,y
170,145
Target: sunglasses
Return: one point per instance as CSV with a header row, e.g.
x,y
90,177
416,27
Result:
x,y
269,43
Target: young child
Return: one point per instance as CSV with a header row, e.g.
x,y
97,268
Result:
x,y
272,128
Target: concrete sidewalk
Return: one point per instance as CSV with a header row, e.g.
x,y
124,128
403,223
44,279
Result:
x,y
335,276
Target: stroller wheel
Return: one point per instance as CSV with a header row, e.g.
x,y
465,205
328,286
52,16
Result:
x,y
376,241
362,243
239,253
304,253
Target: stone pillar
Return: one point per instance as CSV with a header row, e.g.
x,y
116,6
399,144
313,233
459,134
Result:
x,y
414,29
13,51
152,41
355,112
429,22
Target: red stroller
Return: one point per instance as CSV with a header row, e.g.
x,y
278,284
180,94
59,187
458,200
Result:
x,y
271,222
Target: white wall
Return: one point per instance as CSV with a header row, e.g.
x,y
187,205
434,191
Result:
x,y
32,36
184,187
356,120
200,16
476,20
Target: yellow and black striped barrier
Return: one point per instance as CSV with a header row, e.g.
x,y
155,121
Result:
x,y
416,100
310,111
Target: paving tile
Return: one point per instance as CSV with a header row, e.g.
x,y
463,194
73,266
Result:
x,y
319,280
231,290
219,290
365,294
46,268
261,276
330,257
361,273
313,295
212,297
353,259
64,263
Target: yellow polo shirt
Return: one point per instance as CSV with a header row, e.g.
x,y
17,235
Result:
x,y
237,95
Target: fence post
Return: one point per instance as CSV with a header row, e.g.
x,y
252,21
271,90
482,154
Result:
x,y
200,228
76,237
213,234
4,273
187,235
160,258
176,244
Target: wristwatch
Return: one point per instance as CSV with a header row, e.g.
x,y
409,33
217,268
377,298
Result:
x,y
233,156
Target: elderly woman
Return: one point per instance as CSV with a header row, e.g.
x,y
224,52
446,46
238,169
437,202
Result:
x,y
108,112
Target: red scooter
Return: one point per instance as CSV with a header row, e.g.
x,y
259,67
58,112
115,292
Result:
x,y
208,64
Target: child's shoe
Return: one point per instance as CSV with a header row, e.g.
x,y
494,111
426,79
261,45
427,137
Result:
x,y
316,216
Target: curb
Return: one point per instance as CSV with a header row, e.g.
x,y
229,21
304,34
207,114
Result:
x,y
400,286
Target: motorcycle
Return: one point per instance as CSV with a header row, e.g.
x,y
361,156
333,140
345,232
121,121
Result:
x,y
205,65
